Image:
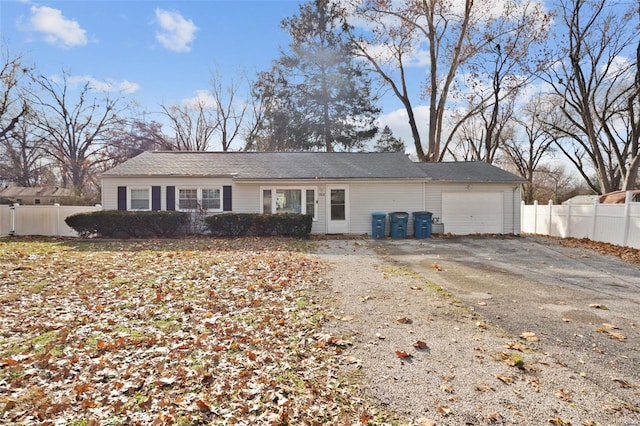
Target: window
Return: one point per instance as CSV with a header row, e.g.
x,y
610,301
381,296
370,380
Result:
x,y
266,201
187,199
211,199
289,200
199,198
139,199
311,202
37,201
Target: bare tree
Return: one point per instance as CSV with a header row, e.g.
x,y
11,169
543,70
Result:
x,y
13,105
596,90
253,123
526,153
136,136
22,156
479,132
633,114
229,112
400,30
450,34
75,129
193,124
507,61
553,183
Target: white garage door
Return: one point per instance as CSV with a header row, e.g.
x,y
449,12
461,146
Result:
x,y
472,212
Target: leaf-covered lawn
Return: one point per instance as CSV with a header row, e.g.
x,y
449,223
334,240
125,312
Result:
x,y
167,332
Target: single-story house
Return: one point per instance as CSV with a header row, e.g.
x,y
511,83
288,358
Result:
x,y
34,195
582,200
340,190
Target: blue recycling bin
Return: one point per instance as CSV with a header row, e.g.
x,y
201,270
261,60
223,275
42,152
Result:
x,y
398,223
422,224
377,224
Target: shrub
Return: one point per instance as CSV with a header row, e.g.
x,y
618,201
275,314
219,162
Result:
x,y
238,224
109,223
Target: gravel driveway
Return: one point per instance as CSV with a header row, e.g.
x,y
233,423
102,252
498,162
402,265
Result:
x,y
489,330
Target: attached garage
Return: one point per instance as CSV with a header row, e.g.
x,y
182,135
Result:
x,y
473,197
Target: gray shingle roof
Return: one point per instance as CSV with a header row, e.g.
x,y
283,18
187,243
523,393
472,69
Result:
x,y
271,165
306,165
468,171
34,191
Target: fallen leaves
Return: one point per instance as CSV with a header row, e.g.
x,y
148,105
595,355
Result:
x,y
558,421
515,346
623,383
608,329
419,344
163,332
403,354
564,395
599,306
529,336
437,267
444,410
628,254
505,379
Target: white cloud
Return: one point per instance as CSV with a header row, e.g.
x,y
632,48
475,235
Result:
x,y
57,30
202,98
176,33
123,86
398,122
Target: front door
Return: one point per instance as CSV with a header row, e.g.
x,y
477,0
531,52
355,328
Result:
x,y
337,209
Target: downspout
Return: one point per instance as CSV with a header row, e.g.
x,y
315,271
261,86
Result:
x,y
517,202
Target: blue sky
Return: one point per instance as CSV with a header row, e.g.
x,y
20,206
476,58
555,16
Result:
x,y
157,52
164,52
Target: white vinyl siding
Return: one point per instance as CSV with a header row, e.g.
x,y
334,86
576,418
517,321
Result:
x,y
110,187
370,197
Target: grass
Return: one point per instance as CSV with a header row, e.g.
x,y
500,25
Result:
x,y
403,271
168,329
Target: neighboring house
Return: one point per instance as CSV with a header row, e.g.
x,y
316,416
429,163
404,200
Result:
x,y
340,190
34,195
582,200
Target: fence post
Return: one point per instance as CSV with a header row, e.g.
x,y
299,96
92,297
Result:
x,y
56,230
594,220
535,216
627,217
550,216
568,220
13,219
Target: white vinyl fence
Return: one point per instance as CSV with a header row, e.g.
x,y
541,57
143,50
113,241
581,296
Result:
x,y
617,224
40,220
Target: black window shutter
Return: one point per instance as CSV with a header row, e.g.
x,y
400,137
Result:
x,y
155,198
171,197
122,198
226,199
